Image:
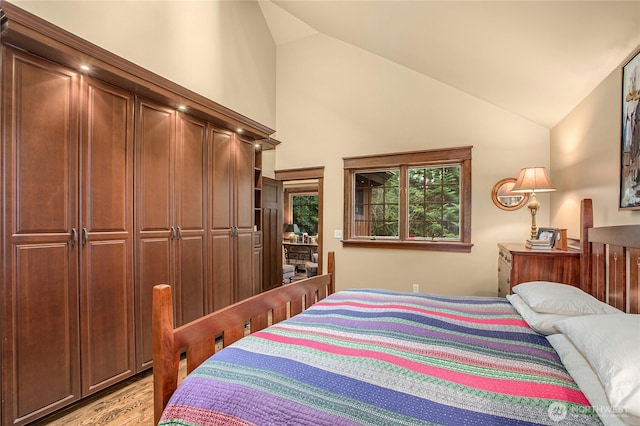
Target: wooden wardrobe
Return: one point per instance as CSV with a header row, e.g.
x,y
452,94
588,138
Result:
x,y
108,190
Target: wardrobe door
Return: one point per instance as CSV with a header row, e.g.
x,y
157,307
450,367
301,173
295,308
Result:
x,y
108,345
191,180
40,348
221,219
155,230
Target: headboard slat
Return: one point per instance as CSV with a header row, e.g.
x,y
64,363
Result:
x,y
634,280
617,277
598,272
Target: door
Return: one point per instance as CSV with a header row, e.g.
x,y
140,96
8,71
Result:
x,y
231,218
272,220
41,351
106,283
221,218
244,180
191,181
155,230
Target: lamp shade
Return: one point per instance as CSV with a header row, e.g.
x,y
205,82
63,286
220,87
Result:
x,y
292,227
533,179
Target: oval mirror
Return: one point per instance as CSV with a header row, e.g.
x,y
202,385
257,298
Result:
x,y
504,198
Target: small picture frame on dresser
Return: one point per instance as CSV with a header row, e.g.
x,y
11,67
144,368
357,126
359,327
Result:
x,y
548,234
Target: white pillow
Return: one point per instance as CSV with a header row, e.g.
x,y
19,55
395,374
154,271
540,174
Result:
x,y
541,323
611,344
563,299
586,379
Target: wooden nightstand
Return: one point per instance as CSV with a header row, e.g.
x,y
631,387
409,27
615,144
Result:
x,y
518,264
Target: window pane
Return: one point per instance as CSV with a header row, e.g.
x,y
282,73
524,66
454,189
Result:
x,y
377,204
434,203
305,213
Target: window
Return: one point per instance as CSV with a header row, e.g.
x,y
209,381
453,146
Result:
x,y
305,212
418,200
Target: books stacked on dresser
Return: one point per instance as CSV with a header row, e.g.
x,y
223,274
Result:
x,y
539,244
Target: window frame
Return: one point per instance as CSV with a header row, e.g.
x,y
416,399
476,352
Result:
x,y
404,160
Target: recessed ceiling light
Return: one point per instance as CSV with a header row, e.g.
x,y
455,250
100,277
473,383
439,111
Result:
x,y
239,130
85,67
182,108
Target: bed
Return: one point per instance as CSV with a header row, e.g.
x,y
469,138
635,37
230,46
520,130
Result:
x,y
367,356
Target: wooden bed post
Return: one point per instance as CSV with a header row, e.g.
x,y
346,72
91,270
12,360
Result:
x,y
164,383
586,222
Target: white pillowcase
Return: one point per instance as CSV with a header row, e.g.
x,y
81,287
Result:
x,y
586,379
611,344
541,323
562,299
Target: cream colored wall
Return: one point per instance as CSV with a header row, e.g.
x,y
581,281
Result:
x,y
585,159
334,101
222,50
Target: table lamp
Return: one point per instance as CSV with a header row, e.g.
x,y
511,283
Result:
x,y
293,231
532,180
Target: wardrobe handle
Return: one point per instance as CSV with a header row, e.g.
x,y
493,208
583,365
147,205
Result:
x,y
179,236
173,232
74,237
85,236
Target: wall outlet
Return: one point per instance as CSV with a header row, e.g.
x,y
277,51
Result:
x,y
337,233
416,288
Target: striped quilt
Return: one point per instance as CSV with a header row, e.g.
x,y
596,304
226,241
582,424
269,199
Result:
x,y
373,357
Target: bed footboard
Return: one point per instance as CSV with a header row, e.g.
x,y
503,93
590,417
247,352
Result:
x,y
198,338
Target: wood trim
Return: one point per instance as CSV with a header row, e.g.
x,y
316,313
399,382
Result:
x,y
411,245
300,174
32,33
444,155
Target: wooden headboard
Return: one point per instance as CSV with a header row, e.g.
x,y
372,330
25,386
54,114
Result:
x,y
610,261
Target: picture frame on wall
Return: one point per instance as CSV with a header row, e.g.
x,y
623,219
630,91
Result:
x,y
630,144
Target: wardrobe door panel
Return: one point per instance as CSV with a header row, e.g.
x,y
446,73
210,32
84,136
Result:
x,y
46,340
155,230
108,346
244,252
221,270
40,207
221,183
221,207
191,277
191,179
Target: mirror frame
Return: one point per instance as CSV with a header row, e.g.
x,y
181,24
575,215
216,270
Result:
x,y
496,201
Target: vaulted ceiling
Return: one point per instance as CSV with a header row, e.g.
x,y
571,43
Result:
x,y
537,59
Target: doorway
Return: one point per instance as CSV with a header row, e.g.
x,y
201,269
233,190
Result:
x,y
304,182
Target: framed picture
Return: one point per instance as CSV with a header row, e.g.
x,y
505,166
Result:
x,y
630,146
548,234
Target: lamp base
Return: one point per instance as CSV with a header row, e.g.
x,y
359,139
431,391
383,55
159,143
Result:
x,y
533,207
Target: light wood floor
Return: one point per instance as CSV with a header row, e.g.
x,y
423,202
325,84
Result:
x,y
129,403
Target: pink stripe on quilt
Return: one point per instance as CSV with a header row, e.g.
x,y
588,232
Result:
x,y
503,321
509,387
